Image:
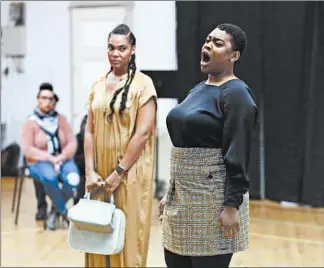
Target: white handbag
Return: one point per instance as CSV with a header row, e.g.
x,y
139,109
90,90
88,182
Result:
x,y
96,227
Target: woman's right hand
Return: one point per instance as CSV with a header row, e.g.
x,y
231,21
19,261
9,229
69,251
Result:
x,y
93,181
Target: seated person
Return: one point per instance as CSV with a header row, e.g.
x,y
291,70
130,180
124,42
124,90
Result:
x,y
49,145
79,160
39,187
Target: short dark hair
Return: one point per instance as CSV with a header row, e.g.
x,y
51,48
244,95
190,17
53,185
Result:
x,y
47,86
239,40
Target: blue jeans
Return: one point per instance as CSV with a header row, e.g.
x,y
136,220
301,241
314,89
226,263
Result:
x,y
69,176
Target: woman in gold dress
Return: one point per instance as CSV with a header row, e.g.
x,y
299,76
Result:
x,y
120,146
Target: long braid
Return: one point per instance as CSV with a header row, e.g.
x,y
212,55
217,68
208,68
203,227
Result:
x,y
111,69
131,66
112,103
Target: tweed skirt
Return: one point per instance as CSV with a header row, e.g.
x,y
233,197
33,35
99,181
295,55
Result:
x,y
195,201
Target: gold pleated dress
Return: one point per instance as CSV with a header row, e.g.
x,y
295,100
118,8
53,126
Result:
x,y
135,195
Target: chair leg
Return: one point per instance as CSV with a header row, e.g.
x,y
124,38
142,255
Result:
x,y
45,223
14,194
21,182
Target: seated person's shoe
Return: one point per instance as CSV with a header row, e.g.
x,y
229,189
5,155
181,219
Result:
x,y
41,214
51,221
65,218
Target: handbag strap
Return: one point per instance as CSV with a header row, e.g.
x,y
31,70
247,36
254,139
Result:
x,y
106,197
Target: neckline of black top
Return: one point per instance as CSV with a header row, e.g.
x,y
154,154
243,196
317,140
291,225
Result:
x,y
223,84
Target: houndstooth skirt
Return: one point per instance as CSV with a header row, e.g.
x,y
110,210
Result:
x,y
194,202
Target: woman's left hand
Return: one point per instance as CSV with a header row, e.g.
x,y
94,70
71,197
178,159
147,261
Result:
x,y
112,182
229,221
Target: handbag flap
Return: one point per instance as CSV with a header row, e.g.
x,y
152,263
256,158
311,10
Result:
x,y
92,212
100,243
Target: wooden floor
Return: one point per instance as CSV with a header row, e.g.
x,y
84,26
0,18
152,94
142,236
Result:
x,y
279,237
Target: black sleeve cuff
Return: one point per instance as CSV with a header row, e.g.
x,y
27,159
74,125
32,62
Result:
x,y
233,202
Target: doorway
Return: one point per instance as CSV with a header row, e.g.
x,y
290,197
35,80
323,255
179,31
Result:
x,y
90,26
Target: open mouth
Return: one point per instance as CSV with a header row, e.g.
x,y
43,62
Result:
x,y
205,58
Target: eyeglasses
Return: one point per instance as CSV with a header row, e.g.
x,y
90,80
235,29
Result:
x,y
50,99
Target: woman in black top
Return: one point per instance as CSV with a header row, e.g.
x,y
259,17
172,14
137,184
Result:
x,y
205,213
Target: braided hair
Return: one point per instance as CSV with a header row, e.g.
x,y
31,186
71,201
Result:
x,y
123,29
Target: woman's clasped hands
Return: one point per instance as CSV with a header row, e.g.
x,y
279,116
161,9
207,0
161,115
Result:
x,y
94,182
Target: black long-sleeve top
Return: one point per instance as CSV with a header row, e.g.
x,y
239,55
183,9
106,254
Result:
x,y
219,117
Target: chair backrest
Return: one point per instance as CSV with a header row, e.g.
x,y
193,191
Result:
x,y
11,156
10,159
79,155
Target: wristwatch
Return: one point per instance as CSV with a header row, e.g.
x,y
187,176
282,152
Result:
x,y
120,171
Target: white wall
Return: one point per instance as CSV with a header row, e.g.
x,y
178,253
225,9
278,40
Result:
x,y
48,54
47,60
155,29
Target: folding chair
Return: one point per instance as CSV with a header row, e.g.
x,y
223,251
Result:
x,y
23,172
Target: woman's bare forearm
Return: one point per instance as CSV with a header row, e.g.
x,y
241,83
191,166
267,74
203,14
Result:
x,y
88,144
145,124
134,150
